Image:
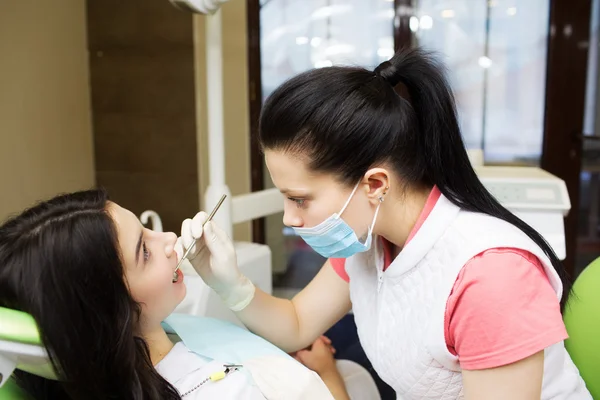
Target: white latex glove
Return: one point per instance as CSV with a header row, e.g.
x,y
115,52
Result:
x,y
213,257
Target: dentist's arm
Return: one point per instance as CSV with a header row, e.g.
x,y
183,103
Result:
x,y
518,381
289,324
295,324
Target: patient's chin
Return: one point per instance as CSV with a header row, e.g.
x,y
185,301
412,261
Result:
x,y
180,291
168,303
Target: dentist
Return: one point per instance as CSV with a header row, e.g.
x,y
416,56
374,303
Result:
x,y
454,297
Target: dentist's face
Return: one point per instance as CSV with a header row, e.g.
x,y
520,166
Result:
x,y
312,197
149,259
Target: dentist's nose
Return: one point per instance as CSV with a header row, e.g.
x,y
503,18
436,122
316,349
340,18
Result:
x,y
291,218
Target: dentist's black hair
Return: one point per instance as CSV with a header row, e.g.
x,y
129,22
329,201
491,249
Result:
x,y
347,119
60,262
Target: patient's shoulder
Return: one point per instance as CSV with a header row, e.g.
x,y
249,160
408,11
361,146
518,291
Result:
x,y
185,370
286,379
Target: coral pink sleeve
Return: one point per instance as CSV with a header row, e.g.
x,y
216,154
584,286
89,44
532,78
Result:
x,y
502,309
339,266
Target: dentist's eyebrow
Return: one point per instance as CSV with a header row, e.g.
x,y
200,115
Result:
x,y
299,191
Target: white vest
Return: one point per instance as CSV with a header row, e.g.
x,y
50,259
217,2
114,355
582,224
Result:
x,y
400,312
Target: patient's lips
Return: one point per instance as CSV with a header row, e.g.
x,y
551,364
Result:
x,y
177,276
175,273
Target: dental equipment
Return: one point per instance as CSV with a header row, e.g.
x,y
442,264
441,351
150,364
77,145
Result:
x,y
210,217
534,195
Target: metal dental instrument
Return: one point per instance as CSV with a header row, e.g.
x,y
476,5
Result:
x,y
210,217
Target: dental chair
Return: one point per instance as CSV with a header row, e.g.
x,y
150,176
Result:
x,y
20,347
582,319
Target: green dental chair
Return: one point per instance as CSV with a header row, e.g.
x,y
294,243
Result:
x,y
20,347
582,319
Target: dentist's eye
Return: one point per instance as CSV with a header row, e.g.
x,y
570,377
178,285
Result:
x,y
300,203
146,252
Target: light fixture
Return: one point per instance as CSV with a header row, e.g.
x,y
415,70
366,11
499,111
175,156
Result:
x,y
485,62
511,11
300,40
448,13
329,11
426,22
413,23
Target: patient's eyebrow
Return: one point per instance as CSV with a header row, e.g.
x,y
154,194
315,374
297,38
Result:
x,y
137,248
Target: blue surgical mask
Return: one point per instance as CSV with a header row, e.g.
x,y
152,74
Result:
x,y
333,238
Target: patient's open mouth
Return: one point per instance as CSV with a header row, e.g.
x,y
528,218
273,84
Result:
x,y
177,276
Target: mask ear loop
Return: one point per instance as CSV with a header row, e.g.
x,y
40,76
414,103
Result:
x,y
377,211
348,201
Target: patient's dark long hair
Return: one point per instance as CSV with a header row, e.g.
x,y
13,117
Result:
x,y
60,262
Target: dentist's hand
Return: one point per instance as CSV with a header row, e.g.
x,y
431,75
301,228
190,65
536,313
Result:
x,y
213,257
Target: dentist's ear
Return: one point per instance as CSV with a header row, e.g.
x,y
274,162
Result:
x,y
379,182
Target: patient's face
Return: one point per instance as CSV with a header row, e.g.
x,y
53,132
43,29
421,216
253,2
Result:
x,y
149,259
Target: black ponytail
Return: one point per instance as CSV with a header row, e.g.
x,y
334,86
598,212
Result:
x,y
347,119
448,166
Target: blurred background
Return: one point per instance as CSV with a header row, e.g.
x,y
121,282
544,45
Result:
x,y
114,94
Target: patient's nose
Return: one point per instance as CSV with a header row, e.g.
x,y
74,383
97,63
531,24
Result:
x,y
170,240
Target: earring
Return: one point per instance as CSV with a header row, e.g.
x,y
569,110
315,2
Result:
x,y
384,193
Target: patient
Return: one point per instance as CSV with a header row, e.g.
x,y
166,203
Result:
x,y
98,285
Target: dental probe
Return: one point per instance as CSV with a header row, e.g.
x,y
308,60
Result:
x,y
210,217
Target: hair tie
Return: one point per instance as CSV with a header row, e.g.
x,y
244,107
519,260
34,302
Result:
x,y
388,72
382,68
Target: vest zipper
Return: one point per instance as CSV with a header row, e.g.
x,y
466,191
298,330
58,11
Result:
x,y
379,280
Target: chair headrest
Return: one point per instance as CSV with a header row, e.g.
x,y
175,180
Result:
x,y
18,326
21,346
